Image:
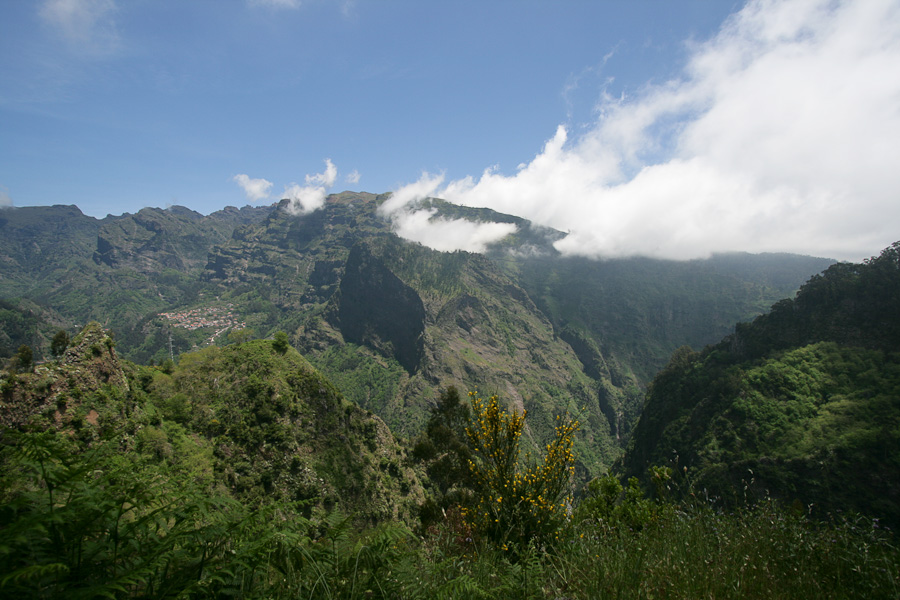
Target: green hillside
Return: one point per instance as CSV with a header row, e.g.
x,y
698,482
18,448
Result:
x,y
803,403
254,421
391,321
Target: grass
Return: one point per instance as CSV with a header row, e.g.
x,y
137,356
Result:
x,y
760,552
94,525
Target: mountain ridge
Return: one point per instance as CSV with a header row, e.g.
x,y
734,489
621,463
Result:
x,y
545,332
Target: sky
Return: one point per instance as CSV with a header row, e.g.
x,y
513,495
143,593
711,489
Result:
x,y
664,128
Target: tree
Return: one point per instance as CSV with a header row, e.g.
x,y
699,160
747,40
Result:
x,y
517,501
444,448
60,343
24,358
280,345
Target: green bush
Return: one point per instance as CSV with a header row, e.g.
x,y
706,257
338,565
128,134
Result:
x,y
280,343
517,503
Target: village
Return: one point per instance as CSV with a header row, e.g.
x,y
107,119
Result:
x,y
220,317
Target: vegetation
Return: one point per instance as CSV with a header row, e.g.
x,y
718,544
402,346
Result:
x,y
237,468
100,523
24,358
366,378
59,343
520,322
517,504
802,402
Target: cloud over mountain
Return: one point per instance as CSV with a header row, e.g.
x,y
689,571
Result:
x,y
310,197
779,134
448,235
420,225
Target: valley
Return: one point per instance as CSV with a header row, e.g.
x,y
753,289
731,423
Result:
x,y
544,332
312,366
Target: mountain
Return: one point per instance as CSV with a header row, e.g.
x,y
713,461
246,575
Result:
x,y
39,242
389,321
176,238
802,403
117,270
624,318
23,322
393,322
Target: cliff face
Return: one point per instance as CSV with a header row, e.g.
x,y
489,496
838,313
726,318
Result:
x,y
375,308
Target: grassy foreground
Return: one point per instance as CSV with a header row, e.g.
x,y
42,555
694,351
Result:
x,y
99,525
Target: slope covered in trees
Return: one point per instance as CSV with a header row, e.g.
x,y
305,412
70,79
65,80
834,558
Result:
x,y
803,403
253,421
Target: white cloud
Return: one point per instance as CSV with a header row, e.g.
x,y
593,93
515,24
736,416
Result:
x,y
353,177
780,134
310,197
426,186
420,225
447,235
255,189
88,25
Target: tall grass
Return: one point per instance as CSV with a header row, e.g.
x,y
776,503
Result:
x,y
759,552
88,526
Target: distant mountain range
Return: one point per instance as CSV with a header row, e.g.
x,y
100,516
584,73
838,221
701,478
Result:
x,y
390,322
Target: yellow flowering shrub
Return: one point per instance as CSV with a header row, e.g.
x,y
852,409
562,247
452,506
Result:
x,y
517,501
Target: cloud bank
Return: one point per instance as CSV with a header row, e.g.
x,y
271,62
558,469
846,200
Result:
x,y
414,223
448,235
310,197
780,134
255,189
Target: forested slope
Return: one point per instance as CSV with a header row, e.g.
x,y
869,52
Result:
x,y
803,403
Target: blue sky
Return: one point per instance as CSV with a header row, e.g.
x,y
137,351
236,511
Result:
x,y
663,128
